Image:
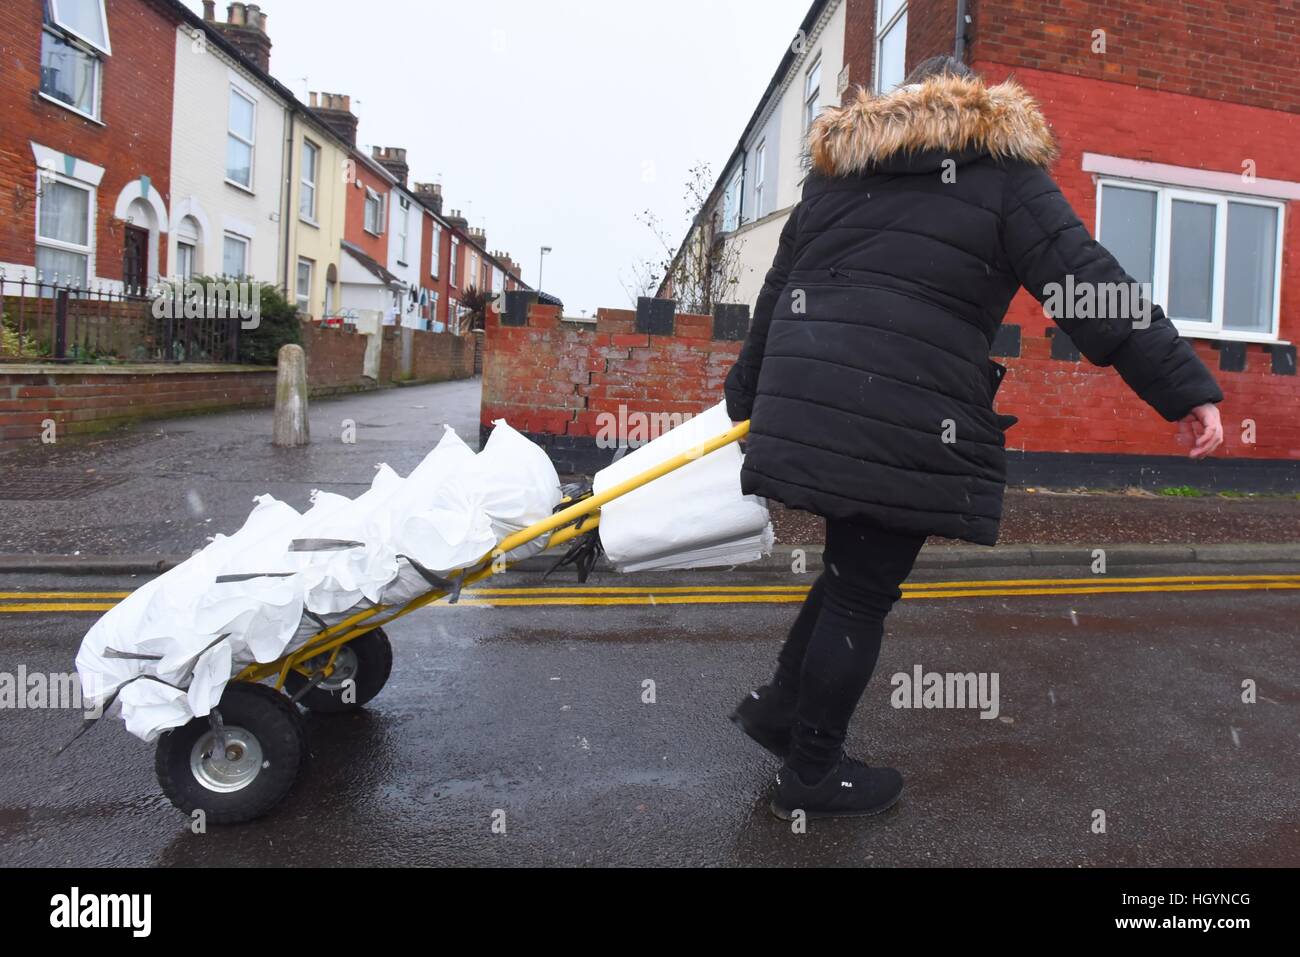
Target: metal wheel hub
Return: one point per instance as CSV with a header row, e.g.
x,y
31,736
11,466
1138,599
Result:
x,y
345,669
228,760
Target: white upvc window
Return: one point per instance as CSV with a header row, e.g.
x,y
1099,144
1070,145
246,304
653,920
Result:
x,y
310,175
403,227
234,256
437,250
240,135
374,220
84,19
891,44
731,201
70,73
453,279
1213,260
306,268
812,91
65,229
473,271
760,174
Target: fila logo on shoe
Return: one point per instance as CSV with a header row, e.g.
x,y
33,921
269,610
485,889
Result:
x,y
846,784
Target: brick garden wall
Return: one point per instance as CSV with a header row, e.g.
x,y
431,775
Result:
x,y
85,398
559,380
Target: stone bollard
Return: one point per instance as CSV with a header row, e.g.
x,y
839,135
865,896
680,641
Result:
x,y
291,428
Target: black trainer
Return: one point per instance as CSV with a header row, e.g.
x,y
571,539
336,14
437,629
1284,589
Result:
x,y
850,789
767,715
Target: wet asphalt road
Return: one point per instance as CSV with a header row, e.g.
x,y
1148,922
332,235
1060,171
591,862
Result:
x,y
1127,703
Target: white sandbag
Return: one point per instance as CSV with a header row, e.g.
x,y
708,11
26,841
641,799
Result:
x,y
169,649
694,517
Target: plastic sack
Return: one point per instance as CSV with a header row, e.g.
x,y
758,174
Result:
x,y
169,649
694,517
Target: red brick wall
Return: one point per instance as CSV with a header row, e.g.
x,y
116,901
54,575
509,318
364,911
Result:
x,y
80,402
82,399
133,140
439,356
1074,407
1242,52
554,377
335,359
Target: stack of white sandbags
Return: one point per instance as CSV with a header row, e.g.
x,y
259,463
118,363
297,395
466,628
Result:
x,y
169,649
694,517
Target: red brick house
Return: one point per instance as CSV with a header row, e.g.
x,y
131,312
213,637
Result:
x,y
1177,124
85,143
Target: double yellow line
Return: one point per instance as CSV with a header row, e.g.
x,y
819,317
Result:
x,y
58,602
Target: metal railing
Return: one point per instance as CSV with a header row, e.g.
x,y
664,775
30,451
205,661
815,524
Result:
x,y
52,321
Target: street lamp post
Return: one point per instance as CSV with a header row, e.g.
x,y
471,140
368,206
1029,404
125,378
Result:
x,y
541,259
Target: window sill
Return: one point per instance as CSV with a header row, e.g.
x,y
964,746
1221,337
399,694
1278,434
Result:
x,y
373,233
1224,336
309,222
241,187
70,108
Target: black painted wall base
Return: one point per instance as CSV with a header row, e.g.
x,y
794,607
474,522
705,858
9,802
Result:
x,y
575,455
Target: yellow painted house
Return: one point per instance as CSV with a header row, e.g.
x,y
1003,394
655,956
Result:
x,y
317,168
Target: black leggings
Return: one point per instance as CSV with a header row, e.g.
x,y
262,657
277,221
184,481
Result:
x,y
832,649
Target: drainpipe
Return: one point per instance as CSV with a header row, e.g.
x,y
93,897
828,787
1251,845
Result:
x,y
959,45
289,221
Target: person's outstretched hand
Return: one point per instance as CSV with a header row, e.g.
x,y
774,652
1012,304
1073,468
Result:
x,y
1205,429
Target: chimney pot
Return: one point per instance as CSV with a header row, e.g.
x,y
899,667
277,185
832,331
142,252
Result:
x,y
209,10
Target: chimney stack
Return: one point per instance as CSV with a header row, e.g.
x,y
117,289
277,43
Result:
x,y
457,220
245,29
393,159
335,111
431,195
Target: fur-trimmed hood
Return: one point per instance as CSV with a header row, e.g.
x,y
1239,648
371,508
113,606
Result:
x,y
945,113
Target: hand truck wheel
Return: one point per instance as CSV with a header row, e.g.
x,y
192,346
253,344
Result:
x,y
240,762
361,669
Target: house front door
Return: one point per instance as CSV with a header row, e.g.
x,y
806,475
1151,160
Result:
x,y
135,258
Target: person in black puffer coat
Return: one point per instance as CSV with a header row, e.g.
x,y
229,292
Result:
x,y
868,386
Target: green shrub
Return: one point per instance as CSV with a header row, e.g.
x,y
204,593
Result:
x,y
279,326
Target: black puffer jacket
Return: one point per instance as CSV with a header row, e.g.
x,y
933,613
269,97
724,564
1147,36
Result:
x,y
866,374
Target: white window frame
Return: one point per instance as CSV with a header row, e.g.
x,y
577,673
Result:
x,y
403,229
882,31
453,279
735,190
97,99
304,301
437,251
42,178
812,97
760,174
248,249
106,49
314,183
1166,194
251,144
475,277
378,200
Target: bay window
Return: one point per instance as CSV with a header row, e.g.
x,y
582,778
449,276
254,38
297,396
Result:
x,y
1213,260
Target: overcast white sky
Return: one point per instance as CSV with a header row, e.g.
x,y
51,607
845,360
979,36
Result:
x,y
548,122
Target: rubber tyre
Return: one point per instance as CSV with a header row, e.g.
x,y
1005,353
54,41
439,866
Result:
x,y
374,656
273,720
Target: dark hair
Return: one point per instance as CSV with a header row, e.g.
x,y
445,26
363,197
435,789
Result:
x,y
942,65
